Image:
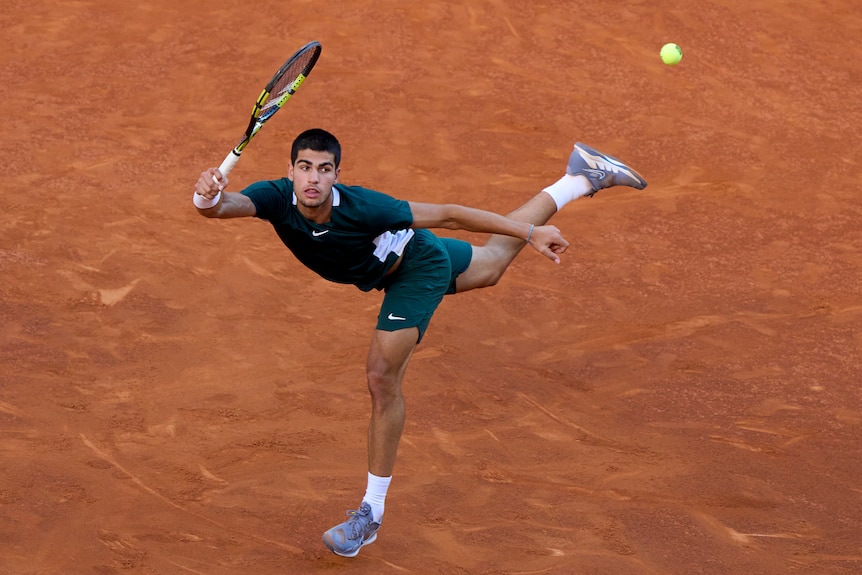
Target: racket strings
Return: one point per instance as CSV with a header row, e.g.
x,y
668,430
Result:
x,y
292,74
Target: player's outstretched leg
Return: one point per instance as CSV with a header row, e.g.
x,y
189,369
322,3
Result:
x,y
600,171
588,171
603,171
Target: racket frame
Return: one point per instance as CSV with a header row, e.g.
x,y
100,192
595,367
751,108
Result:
x,y
265,108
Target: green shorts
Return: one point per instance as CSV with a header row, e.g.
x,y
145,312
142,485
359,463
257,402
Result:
x,y
427,272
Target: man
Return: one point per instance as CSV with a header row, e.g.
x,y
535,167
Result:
x,y
357,236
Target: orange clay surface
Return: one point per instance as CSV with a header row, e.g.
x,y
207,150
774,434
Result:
x,y
680,396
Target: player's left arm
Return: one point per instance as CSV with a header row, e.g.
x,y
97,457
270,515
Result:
x,y
547,240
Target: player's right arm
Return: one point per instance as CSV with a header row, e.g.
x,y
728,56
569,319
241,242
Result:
x,y
211,184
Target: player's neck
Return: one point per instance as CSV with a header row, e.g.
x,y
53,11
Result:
x,y
319,215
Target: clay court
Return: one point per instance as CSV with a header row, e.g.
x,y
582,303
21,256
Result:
x,y
680,396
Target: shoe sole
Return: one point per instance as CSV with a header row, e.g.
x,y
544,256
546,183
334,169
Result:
x,y
596,160
368,541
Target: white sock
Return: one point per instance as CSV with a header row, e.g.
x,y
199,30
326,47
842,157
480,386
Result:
x,y
375,495
568,188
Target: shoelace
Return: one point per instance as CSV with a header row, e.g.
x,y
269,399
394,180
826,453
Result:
x,y
358,522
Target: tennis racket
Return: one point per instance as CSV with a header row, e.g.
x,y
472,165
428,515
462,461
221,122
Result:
x,y
274,96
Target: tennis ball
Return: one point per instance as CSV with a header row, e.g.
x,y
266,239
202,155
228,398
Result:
x,y
671,54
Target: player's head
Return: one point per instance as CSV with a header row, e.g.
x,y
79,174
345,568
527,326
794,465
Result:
x,y
313,170
317,140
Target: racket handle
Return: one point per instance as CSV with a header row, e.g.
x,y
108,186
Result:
x,y
229,162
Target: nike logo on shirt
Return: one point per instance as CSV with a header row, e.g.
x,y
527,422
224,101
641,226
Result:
x,y
316,233
395,317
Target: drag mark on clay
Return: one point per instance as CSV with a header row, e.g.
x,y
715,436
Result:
x,y
606,493
793,438
563,421
209,475
511,28
11,410
257,269
105,457
739,444
494,437
107,296
392,565
184,568
741,538
673,330
110,297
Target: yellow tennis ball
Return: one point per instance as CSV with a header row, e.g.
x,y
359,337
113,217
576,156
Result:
x,y
671,54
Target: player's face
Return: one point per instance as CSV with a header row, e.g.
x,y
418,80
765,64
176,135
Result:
x,y
313,175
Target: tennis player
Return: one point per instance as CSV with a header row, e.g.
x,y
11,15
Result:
x,y
353,235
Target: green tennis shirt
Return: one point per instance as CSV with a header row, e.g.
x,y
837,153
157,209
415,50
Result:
x,y
365,235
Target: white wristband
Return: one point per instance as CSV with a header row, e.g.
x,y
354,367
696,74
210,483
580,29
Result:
x,y
204,203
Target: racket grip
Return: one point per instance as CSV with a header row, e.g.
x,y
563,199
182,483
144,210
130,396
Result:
x,y
229,162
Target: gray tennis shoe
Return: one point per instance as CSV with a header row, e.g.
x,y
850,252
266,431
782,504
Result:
x,y
346,539
603,171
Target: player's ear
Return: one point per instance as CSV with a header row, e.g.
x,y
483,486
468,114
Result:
x,y
337,172
290,172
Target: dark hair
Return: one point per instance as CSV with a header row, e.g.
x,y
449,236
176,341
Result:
x,y
317,140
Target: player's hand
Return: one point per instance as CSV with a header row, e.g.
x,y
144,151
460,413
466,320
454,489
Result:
x,y
210,183
548,241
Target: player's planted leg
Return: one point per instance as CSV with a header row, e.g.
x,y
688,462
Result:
x,y
386,365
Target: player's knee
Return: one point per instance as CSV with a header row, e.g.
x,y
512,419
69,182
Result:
x,y
490,276
383,385
488,267
493,277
